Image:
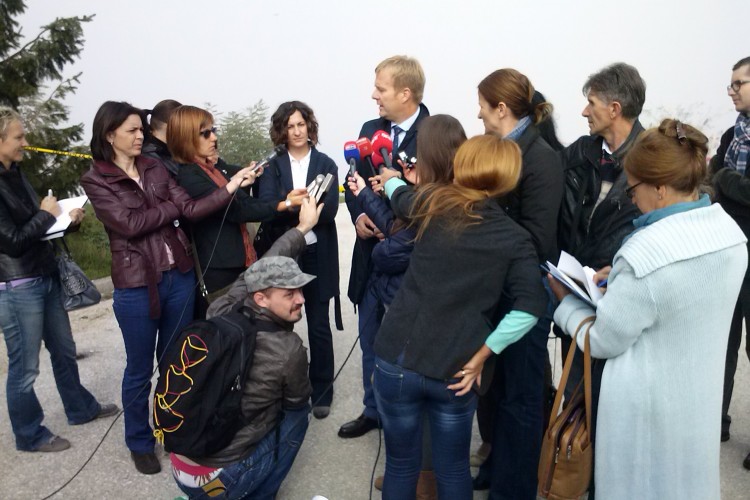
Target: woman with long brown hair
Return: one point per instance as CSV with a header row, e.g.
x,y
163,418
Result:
x,y
432,344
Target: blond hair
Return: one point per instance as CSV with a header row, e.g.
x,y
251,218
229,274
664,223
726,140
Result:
x,y
407,73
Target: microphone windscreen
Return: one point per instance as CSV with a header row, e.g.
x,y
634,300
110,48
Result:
x,y
381,140
351,151
364,146
377,160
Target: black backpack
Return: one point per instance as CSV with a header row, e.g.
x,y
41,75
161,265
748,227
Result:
x,y
197,401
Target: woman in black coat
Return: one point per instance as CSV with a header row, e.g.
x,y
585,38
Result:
x,y
513,422
222,241
294,126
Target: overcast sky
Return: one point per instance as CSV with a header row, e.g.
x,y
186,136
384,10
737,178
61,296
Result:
x,y
233,53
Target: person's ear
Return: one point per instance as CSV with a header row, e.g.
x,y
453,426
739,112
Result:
x,y
261,299
406,95
615,109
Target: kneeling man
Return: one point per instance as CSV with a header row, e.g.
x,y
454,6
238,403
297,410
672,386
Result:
x,y
277,392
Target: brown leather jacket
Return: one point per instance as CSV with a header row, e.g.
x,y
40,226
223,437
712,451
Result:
x,y
140,221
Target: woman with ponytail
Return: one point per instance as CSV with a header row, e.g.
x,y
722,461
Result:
x,y
440,328
511,415
663,326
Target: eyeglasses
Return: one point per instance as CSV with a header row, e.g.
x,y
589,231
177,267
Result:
x,y
207,133
630,191
736,85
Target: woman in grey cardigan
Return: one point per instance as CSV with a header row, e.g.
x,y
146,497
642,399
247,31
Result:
x,y
662,326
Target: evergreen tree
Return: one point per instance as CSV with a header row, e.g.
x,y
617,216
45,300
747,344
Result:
x,y
27,70
243,135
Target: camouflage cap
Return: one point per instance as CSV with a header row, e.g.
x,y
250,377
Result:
x,y
275,272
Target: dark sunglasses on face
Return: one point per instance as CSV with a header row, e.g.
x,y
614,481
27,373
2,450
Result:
x,y
207,133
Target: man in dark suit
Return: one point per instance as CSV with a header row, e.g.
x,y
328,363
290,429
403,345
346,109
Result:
x,y
399,85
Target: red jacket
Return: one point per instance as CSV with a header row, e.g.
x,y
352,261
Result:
x,y
140,221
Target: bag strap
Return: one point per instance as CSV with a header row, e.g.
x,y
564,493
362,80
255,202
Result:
x,y
566,373
62,246
587,378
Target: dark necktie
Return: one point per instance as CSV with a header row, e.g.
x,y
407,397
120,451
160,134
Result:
x,y
396,133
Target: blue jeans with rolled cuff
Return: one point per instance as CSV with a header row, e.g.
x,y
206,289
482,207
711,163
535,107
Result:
x,y
30,313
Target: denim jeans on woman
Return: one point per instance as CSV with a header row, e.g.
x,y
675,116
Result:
x,y
259,476
141,334
30,313
403,397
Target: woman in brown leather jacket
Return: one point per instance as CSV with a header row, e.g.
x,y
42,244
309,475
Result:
x,y
140,205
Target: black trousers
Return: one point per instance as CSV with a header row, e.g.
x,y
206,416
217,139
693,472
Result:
x,y
741,311
319,333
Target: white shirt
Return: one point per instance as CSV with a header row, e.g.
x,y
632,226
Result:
x,y
299,180
405,126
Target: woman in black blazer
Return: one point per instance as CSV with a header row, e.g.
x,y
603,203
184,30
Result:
x,y
223,244
294,125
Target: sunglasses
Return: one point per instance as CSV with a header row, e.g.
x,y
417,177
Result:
x,y
630,191
207,133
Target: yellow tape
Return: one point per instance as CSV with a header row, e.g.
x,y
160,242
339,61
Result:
x,y
56,152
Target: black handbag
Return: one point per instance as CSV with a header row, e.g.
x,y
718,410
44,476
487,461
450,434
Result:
x,y
78,290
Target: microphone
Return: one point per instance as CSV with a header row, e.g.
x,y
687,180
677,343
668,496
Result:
x,y
382,143
351,154
365,153
378,161
278,150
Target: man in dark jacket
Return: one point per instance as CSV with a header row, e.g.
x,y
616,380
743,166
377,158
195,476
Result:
x,y
596,212
399,86
733,192
276,396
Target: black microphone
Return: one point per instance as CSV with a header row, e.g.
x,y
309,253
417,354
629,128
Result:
x,y
278,150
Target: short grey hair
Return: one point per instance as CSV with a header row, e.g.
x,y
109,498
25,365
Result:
x,y
619,82
7,116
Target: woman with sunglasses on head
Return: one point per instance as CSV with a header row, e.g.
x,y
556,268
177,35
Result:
x,y
141,205
446,318
663,325
222,241
294,125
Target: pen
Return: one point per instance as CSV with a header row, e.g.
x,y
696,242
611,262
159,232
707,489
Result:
x,y
602,283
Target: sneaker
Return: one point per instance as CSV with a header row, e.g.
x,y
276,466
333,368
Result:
x,y
56,443
746,462
107,410
146,463
320,412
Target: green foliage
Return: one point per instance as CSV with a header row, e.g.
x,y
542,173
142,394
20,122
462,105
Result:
x,y
44,119
243,135
25,70
90,246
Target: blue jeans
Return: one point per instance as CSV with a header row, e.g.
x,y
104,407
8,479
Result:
x,y
141,334
30,313
403,397
260,475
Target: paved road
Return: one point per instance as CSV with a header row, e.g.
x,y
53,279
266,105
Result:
x,y
329,466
